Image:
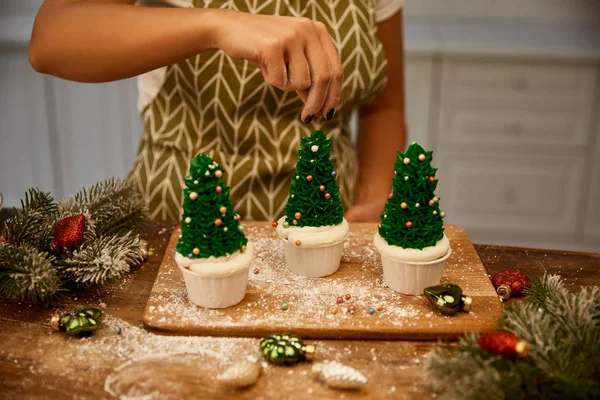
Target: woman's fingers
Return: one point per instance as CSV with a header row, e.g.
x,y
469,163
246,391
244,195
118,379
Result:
x,y
320,76
273,66
298,74
336,70
294,54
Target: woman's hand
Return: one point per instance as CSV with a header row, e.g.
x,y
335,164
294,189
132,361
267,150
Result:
x,y
72,39
294,54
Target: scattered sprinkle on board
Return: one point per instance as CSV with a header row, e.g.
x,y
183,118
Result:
x,y
311,300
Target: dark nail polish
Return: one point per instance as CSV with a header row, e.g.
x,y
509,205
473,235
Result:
x,y
309,118
330,114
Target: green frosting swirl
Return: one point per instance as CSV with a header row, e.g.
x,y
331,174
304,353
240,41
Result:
x,y
202,232
306,197
427,225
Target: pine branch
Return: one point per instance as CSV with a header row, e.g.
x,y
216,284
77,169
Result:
x,y
114,206
542,289
27,274
563,329
102,260
32,224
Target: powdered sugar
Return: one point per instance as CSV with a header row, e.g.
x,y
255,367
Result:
x,y
311,302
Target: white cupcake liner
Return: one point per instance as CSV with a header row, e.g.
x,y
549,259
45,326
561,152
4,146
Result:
x,y
215,292
313,262
411,277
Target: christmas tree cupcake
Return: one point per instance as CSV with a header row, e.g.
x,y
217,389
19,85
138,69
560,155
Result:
x,y
213,252
313,228
411,236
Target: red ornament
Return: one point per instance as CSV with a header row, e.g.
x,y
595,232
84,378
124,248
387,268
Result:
x,y
327,196
309,178
409,224
510,283
274,224
218,222
390,195
68,232
218,189
322,188
431,179
256,271
431,203
339,300
503,343
347,296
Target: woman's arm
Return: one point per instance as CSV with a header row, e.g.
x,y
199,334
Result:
x,y
382,130
105,40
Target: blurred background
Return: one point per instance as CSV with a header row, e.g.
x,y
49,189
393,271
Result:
x,y
507,93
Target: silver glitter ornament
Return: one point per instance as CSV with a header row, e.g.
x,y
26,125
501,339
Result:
x,y
339,376
241,374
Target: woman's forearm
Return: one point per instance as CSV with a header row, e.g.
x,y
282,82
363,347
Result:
x,y
102,41
382,135
383,123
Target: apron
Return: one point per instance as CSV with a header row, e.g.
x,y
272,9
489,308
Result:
x,y
220,106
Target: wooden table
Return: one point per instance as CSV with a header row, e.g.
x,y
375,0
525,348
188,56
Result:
x,y
35,363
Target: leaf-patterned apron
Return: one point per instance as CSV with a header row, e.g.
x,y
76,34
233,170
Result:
x,y
221,106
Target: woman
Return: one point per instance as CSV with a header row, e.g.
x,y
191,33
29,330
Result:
x,y
232,77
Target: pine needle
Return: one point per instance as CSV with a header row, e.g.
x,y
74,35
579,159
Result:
x,y
32,224
103,260
27,274
115,207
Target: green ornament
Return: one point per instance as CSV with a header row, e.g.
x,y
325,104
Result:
x,y
77,322
280,349
448,298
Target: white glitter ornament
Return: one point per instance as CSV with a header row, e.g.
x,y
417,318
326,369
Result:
x,y
241,374
339,376
188,220
315,148
417,205
207,173
406,178
225,229
196,182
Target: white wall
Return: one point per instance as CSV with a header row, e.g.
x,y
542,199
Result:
x,y
55,134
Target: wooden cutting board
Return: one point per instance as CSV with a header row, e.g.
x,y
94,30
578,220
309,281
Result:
x,y
313,311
